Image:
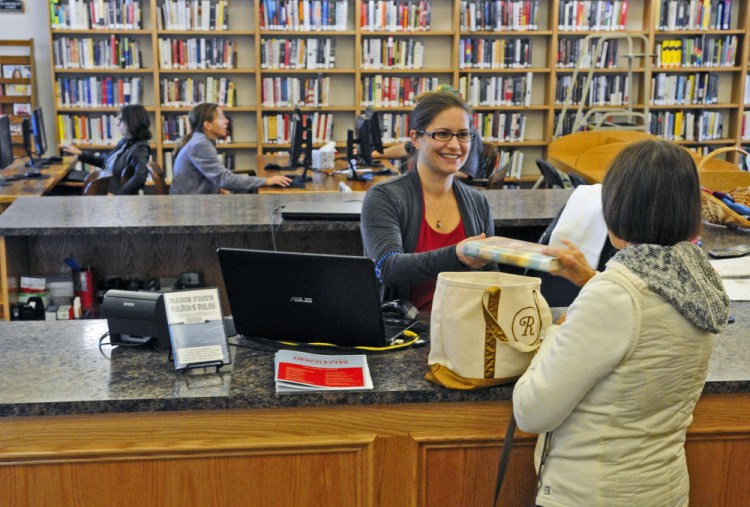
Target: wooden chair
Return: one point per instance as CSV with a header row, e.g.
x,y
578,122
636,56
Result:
x,y
157,176
96,183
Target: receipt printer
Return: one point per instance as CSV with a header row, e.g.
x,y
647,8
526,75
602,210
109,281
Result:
x,y
136,317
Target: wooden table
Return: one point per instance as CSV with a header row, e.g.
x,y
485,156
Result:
x,y
31,187
322,181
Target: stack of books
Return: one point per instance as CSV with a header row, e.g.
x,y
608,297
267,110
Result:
x,y
511,251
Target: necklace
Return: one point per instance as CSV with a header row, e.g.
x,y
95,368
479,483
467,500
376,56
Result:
x,y
438,216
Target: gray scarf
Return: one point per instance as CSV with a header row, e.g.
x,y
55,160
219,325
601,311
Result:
x,y
682,275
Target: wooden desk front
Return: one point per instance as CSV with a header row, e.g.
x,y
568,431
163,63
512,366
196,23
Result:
x,y
31,187
323,181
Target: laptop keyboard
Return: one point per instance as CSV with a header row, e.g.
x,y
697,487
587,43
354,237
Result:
x,y
77,175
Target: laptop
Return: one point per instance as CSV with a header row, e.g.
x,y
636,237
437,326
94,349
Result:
x,y
317,210
308,298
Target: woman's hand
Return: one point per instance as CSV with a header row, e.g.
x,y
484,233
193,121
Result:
x,y
278,180
467,260
71,149
575,267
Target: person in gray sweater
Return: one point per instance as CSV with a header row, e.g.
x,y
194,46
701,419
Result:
x,y
413,225
197,167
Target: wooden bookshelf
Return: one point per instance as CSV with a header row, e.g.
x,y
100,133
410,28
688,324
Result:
x,y
17,53
441,60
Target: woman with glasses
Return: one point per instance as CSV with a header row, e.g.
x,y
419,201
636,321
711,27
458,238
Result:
x,y
413,225
197,166
127,161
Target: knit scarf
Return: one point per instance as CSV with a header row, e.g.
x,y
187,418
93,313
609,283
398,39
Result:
x,y
682,275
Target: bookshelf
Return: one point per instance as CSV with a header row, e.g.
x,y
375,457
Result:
x,y
17,86
338,67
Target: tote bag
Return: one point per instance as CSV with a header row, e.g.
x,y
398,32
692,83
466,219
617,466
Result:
x,y
485,327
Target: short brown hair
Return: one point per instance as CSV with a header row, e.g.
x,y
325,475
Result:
x,y
651,194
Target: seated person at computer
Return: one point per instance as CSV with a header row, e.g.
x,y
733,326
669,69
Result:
x,y
413,225
407,151
197,167
127,161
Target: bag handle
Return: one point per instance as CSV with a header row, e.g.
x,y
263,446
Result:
x,y
491,295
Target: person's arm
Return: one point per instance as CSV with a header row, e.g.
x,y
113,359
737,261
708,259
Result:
x,y
573,358
574,265
85,156
383,241
138,160
391,152
208,163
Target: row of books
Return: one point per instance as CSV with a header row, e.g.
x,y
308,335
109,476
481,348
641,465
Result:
x,y
505,90
276,127
747,91
197,53
498,15
98,92
304,15
685,89
176,126
608,15
686,125
88,53
569,50
476,53
513,159
607,90
313,91
745,128
95,14
567,121
394,91
309,53
693,14
194,15
394,127
395,15
697,51
500,127
85,130
390,53
178,92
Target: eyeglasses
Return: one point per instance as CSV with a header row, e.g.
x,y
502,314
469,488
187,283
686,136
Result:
x,y
444,136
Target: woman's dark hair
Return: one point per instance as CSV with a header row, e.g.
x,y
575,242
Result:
x,y
204,112
428,106
651,194
136,118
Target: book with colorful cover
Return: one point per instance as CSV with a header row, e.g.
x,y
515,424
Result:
x,y
511,251
302,371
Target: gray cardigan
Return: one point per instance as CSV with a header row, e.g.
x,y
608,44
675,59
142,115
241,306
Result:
x,y
390,223
198,170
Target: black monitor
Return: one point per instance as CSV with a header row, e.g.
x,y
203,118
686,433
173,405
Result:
x,y
37,129
296,132
376,136
351,159
6,143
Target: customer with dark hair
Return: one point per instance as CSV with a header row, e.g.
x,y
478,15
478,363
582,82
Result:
x,y
612,390
197,167
413,225
127,161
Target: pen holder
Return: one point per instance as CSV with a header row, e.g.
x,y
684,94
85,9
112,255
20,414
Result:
x,y
84,286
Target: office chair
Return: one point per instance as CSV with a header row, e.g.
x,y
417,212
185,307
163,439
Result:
x,y
497,178
551,176
577,180
96,183
157,176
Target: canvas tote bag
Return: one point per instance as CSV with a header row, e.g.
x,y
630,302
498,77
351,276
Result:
x,y
485,327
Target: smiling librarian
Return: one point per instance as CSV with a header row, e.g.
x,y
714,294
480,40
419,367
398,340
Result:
x,y
413,225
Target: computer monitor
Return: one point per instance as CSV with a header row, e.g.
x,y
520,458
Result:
x,y
296,132
37,129
364,140
6,143
351,159
376,135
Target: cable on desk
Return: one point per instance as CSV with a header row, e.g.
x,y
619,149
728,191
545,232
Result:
x,y
275,214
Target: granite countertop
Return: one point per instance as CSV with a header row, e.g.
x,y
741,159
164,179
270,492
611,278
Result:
x,y
227,213
56,368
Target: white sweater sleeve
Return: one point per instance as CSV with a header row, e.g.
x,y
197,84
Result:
x,y
575,356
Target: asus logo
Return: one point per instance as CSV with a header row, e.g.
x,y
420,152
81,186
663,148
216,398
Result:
x,y
297,299
128,304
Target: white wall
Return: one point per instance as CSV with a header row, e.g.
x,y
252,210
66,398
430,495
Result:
x,y
33,23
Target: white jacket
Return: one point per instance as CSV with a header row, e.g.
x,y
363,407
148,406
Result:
x,y
616,385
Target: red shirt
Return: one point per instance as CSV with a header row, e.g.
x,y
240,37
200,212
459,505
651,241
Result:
x,y
429,239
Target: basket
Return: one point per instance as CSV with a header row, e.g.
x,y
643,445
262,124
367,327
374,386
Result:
x,y
714,210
